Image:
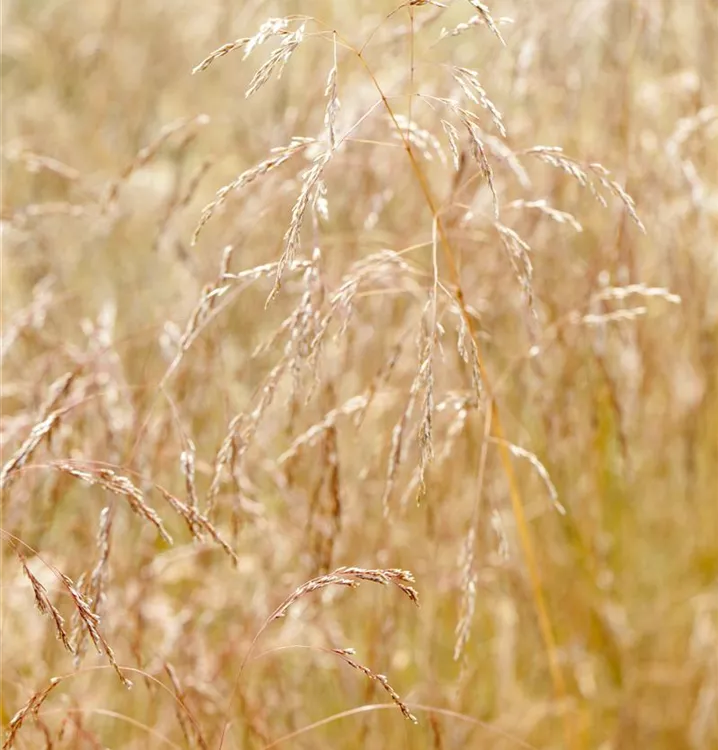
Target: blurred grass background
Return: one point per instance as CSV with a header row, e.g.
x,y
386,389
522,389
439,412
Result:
x,y
623,415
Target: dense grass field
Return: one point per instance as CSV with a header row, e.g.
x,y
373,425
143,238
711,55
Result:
x,y
359,374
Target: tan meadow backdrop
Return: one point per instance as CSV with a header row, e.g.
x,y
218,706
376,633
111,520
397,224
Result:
x,y
360,374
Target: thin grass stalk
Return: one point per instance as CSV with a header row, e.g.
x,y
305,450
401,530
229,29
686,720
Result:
x,y
517,503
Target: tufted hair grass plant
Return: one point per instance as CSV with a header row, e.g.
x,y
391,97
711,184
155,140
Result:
x,y
298,297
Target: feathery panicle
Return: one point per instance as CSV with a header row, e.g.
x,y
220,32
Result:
x,y
276,62
587,176
270,28
469,82
311,182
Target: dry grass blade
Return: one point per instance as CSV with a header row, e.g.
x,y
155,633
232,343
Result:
x,y
190,728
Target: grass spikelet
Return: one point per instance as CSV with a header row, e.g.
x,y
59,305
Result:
x,y
483,12
197,523
187,462
462,28
49,419
46,607
280,155
347,655
39,431
310,185
519,254
469,82
583,174
31,708
91,622
453,135
95,591
477,150
560,217
202,313
332,109
276,62
350,577
240,432
118,485
270,28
